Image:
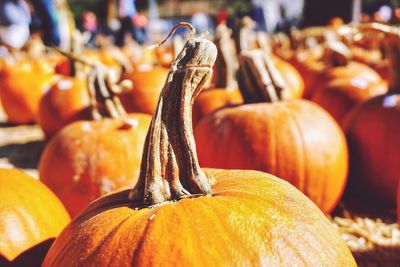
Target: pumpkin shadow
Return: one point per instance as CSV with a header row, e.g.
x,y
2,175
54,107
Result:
x,y
25,156
379,256
32,257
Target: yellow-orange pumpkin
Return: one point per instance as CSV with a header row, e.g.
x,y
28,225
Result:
x,y
250,219
88,159
293,139
22,85
31,217
64,103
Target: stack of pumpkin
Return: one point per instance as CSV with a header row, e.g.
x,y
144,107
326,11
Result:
x,y
250,125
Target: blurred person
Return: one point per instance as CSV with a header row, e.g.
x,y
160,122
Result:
x,y
14,23
126,11
140,22
45,10
90,26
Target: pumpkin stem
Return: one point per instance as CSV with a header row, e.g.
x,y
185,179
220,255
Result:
x,y
392,47
170,168
336,52
104,101
259,80
227,64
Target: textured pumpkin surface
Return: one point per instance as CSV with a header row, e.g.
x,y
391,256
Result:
x,y
147,84
88,159
29,214
341,95
352,71
294,140
63,104
22,86
373,131
213,99
251,219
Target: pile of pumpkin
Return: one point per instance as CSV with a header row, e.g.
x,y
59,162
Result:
x,y
306,109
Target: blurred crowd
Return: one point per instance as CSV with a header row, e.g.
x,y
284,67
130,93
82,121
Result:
x,y
54,22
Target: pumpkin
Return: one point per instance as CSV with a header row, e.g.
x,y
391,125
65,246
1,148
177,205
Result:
x,y
227,93
341,95
64,103
148,81
87,159
23,83
251,218
293,139
31,217
372,130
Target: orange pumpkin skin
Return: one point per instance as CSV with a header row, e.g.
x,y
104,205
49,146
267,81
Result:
x,y
372,130
293,79
352,71
22,86
31,217
251,219
147,84
213,99
62,104
294,140
340,96
88,159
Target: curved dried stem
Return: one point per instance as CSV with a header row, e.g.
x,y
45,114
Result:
x,y
170,168
181,24
259,80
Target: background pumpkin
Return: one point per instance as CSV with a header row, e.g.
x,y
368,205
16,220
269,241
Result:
x,y
252,218
22,86
63,103
31,217
292,139
372,131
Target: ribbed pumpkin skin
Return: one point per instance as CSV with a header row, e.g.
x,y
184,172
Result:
x,y
29,215
21,87
340,96
63,104
372,130
251,219
294,140
88,159
147,85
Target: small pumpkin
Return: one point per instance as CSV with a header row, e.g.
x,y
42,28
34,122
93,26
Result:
x,y
372,130
88,159
148,80
293,139
172,218
23,83
64,103
31,217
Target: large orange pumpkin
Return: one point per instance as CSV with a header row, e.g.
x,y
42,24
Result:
x,y
372,131
148,81
22,85
31,217
63,103
293,139
251,218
